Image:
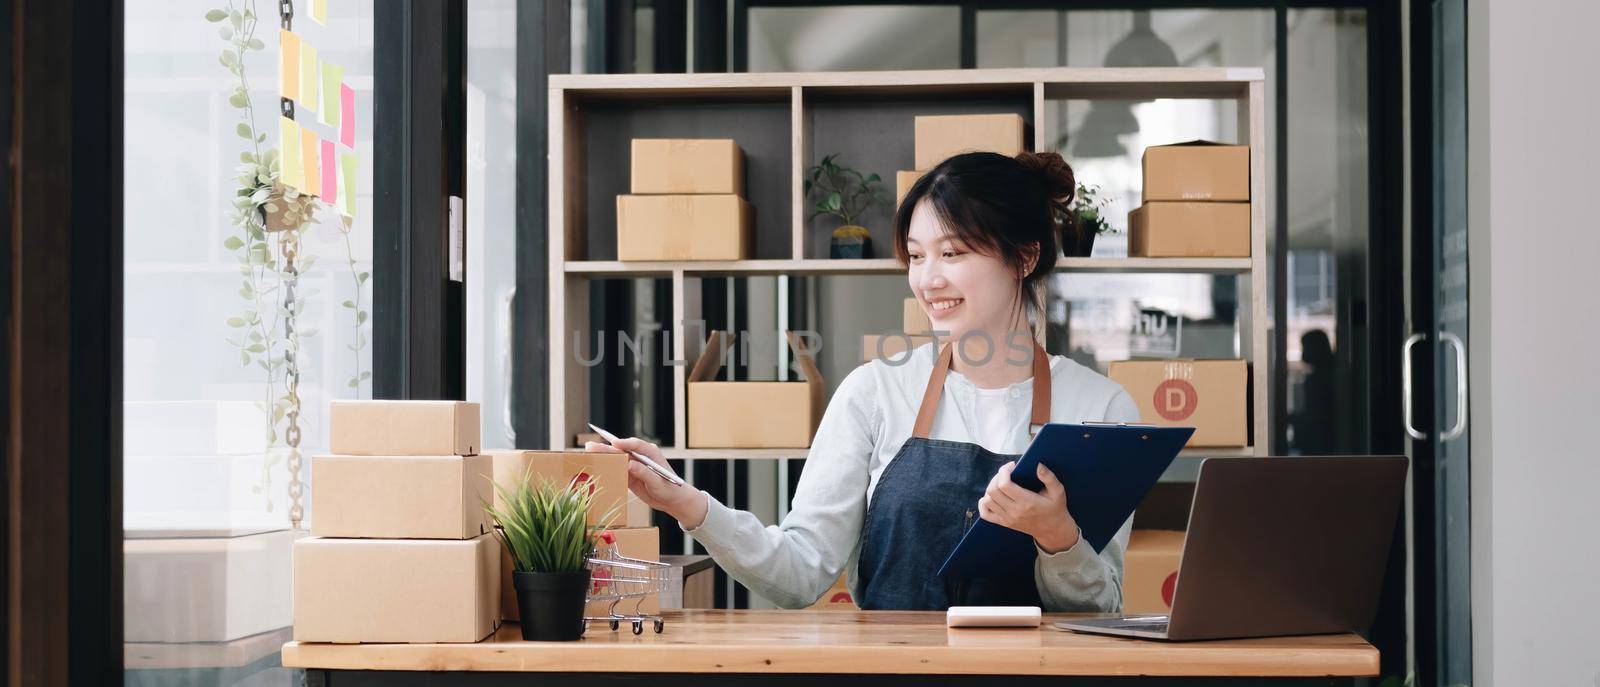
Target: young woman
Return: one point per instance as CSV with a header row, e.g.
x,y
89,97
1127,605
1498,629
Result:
x,y
908,454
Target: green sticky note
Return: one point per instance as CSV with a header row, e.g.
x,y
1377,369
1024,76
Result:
x,y
291,172
332,78
348,162
308,77
319,12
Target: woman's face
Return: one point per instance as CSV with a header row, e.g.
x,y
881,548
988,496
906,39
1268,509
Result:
x,y
961,290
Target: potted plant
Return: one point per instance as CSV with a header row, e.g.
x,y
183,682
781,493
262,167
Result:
x,y
844,193
1087,221
545,527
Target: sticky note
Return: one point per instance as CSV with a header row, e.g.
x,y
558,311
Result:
x,y
288,64
347,116
290,171
349,162
332,80
319,11
330,175
308,157
308,77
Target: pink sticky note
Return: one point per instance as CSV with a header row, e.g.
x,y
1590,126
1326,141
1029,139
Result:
x,y
347,116
330,173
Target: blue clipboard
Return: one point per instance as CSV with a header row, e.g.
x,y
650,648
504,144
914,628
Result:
x,y
1106,468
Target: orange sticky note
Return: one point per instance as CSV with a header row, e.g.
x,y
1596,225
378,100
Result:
x,y
309,156
289,64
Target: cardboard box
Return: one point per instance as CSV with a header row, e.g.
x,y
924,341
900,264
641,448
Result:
x,y
687,165
913,320
643,543
400,497
837,598
683,227
396,590
159,493
1197,170
403,428
1166,229
607,471
752,414
941,136
902,183
890,346
206,589
1150,571
638,513
1208,395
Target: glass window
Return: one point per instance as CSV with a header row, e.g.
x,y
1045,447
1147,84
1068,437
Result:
x,y
833,38
247,309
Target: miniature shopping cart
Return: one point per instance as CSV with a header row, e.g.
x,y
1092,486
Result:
x,y
624,582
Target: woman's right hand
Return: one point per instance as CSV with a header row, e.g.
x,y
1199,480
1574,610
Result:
x,y
685,503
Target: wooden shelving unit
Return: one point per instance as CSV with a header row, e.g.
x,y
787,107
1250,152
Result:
x,y
780,119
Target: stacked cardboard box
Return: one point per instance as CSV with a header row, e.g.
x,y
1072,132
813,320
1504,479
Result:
x,y
1196,202
1208,395
1150,571
686,202
752,414
400,548
914,326
938,137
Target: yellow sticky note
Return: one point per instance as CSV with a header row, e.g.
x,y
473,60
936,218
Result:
x,y
348,162
319,11
290,170
309,153
332,78
308,77
288,64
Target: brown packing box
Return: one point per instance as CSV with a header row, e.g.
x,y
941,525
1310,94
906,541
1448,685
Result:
x,y
752,414
1208,395
643,543
400,497
1197,170
1166,229
395,590
941,136
837,598
893,346
608,472
687,165
1150,571
913,320
684,227
902,183
403,428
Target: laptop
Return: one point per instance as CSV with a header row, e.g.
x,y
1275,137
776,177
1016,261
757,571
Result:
x,y
1278,546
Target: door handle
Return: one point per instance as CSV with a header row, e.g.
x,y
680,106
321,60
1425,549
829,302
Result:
x,y
1460,425
1405,385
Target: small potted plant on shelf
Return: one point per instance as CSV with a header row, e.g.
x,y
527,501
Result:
x,y
844,193
1087,222
545,527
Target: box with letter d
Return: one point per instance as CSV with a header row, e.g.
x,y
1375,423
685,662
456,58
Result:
x,y
1208,395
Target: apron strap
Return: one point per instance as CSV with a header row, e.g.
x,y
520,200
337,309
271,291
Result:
x,y
941,368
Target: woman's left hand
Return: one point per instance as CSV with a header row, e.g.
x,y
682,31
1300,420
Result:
x,y
1040,514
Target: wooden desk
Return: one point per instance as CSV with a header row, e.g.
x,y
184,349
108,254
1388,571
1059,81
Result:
x,y
704,647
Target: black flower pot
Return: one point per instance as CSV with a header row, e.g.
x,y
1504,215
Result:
x,y
551,604
850,248
1077,242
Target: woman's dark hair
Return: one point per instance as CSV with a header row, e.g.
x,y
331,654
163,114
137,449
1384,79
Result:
x,y
999,206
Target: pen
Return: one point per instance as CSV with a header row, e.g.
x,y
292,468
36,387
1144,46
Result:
x,y
654,467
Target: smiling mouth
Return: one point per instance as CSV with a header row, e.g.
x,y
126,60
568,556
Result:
x,y
944,306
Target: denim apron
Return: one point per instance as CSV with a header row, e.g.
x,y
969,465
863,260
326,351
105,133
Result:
x,y
925,500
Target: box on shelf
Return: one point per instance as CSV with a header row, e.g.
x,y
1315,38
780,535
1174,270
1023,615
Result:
x,y
941,136
752,414
396,590
403,428
1197,170
608,472
1167,229
1208,395
837,598
400,497
914,320
684,227
889,346
903,180
206,589
1150,571
643,543
687,165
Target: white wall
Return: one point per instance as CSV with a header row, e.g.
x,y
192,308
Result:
x,y
1534,247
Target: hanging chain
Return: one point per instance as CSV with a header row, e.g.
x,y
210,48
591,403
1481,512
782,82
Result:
x,y
291,433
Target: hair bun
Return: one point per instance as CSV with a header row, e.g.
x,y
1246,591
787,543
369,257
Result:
x,y
1059,182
